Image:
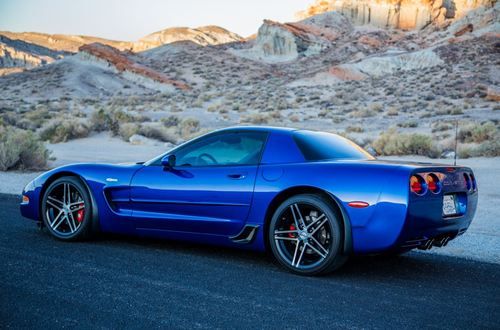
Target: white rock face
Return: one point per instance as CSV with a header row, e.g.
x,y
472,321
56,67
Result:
x,y
278,42
400,14
19,54
376,66
379,66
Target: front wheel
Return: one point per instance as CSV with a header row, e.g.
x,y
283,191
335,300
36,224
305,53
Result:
x,y
67,208
305,235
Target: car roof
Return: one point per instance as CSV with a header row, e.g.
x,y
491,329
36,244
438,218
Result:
x,y
257,128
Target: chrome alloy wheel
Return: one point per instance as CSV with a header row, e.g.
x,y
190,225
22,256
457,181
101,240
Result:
x,y
65,209
303,236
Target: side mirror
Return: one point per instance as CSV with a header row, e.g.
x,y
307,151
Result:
x,y
168,161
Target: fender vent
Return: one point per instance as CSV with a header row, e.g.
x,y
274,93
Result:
x,y
246,235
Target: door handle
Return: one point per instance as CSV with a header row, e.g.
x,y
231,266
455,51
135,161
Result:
x,y
237,176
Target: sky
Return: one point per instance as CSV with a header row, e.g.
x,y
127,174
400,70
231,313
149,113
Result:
x,y
130,20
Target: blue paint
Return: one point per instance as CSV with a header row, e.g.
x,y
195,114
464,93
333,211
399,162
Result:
x,y
210,204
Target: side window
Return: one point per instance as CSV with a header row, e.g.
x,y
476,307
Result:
x,y
224,149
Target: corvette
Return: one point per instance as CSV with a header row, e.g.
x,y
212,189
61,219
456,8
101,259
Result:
x,y
311,198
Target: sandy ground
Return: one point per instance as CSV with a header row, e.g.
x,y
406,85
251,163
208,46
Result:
x,y
481,242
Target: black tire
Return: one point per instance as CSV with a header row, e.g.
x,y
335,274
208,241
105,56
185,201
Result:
x,y
66,221
320,229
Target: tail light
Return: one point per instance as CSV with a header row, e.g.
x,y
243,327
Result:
x,y
473,181
417,184
468,182
433,183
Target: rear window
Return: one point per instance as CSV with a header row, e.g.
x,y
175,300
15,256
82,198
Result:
x,y
317,146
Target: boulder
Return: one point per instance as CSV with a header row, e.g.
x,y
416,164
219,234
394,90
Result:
x,y
464,29
493,94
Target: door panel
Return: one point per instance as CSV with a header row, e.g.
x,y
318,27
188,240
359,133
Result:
x,y
214,200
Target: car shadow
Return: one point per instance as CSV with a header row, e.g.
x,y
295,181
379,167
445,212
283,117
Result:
x,y
414,265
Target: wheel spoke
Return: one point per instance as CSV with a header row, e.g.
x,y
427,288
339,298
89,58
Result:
x,y
292,231
55,219
64,194
295,253
77,209
317,251
325,251
68,187
54,205
319,226
301,255
316,221
54,226
53,199
285,238
297,216
71,222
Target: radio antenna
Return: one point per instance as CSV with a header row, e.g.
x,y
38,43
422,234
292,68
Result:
x,y
456,143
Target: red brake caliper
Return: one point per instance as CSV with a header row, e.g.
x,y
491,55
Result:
x,y
80,214
291,235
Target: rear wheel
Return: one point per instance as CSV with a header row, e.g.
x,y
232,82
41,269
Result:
x,y
66,209
305,235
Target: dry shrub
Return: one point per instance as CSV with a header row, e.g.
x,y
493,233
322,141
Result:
x,y
478,133
256,118
188,127
157,132
20,149
102,120
127,130
392,143
63,130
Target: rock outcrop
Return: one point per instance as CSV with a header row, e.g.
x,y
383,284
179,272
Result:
x,y
399,14
20,54
122,63
281,42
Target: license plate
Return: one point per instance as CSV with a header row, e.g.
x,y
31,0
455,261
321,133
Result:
x,y
449,205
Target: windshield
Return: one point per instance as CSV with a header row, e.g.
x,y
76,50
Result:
x,y
317,146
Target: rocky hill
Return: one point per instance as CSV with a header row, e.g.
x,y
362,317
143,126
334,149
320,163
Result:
x,y
205,35
326,71
62,42
20,44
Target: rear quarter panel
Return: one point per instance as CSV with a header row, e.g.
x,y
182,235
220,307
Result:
x,y
384,187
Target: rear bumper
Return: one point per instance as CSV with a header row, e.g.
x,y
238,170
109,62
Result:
x,y
425,225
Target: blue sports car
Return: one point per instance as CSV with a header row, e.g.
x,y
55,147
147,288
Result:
x,y
312,198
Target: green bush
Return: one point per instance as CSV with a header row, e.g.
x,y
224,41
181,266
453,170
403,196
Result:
x,y
392,143
477,133
170,121
102,120
20,149
64,130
